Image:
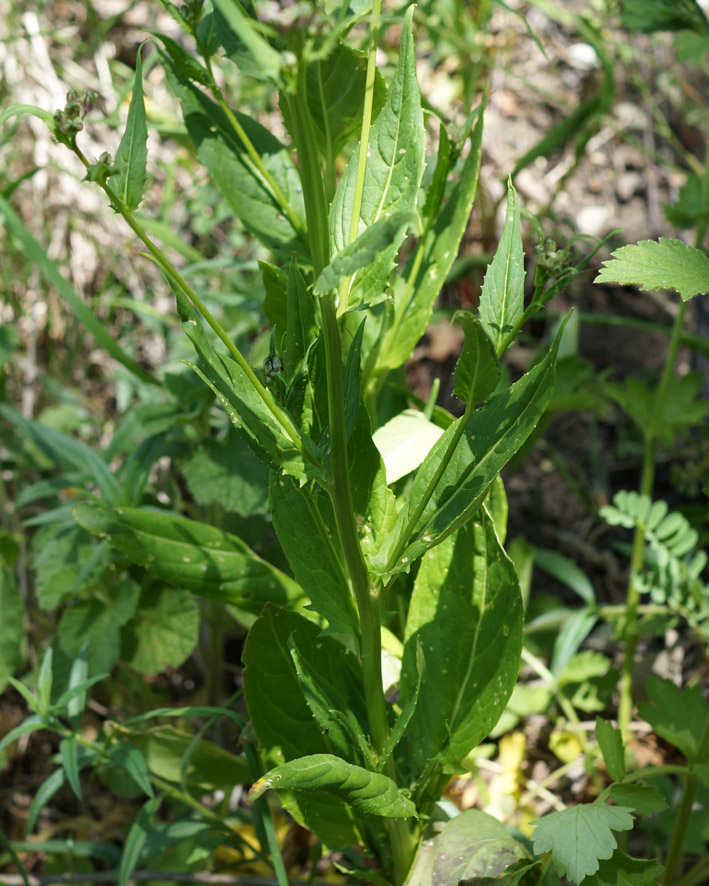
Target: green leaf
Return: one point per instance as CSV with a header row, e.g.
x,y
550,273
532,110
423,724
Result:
x,y
163,749
404,442
366,791
50,272
489,440
681,718
330,710
42,796
395,164
163,631
191,555
622,870
281,719
280,716
398,731
67,752
302,326
692,204
246,406
9,342
298,517
335,93
363,251
425,271
663,264
229,474
189,67
477,371
502,298
663,15
129,758
136,840
579,837
12,628
567,572
471,845
97,620
611,742
644,799
466,613
233,171
243,42
128,171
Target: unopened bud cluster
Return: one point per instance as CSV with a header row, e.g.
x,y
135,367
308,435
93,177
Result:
x,y
70,119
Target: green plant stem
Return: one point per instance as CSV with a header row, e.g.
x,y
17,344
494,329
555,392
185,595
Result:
x,y
630,630
684,814
697,874
346,282
174,275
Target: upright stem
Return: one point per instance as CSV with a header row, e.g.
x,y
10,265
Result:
x,y
630,631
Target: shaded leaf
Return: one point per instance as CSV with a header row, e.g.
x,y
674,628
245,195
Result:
x,y
611,742
681,718
661,264
243,43
644,799
12,629
229,474
163,631
191,555
622,870
471,845
369,792
477,371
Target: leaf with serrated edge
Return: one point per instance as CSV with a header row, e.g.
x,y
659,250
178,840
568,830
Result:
x,y
581,836
192,555
502,297
611,742
416,290
478,369
644,799
466,612
369,792
395,164
127,175
659,264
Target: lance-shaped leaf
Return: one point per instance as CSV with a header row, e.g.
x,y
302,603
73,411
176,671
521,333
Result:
x,y
395,163
245,405
192,555
489,440
369,792
425,271
302,324
335,95
223,153
241,38
663,264
502,298
478,369
283,722
466,613
128,172
363,251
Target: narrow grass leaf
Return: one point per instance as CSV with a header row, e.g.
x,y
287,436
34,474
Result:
x,y
128,171
659,264
42,796
369,792
50,272
32,724
129,758
67,752
136,840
